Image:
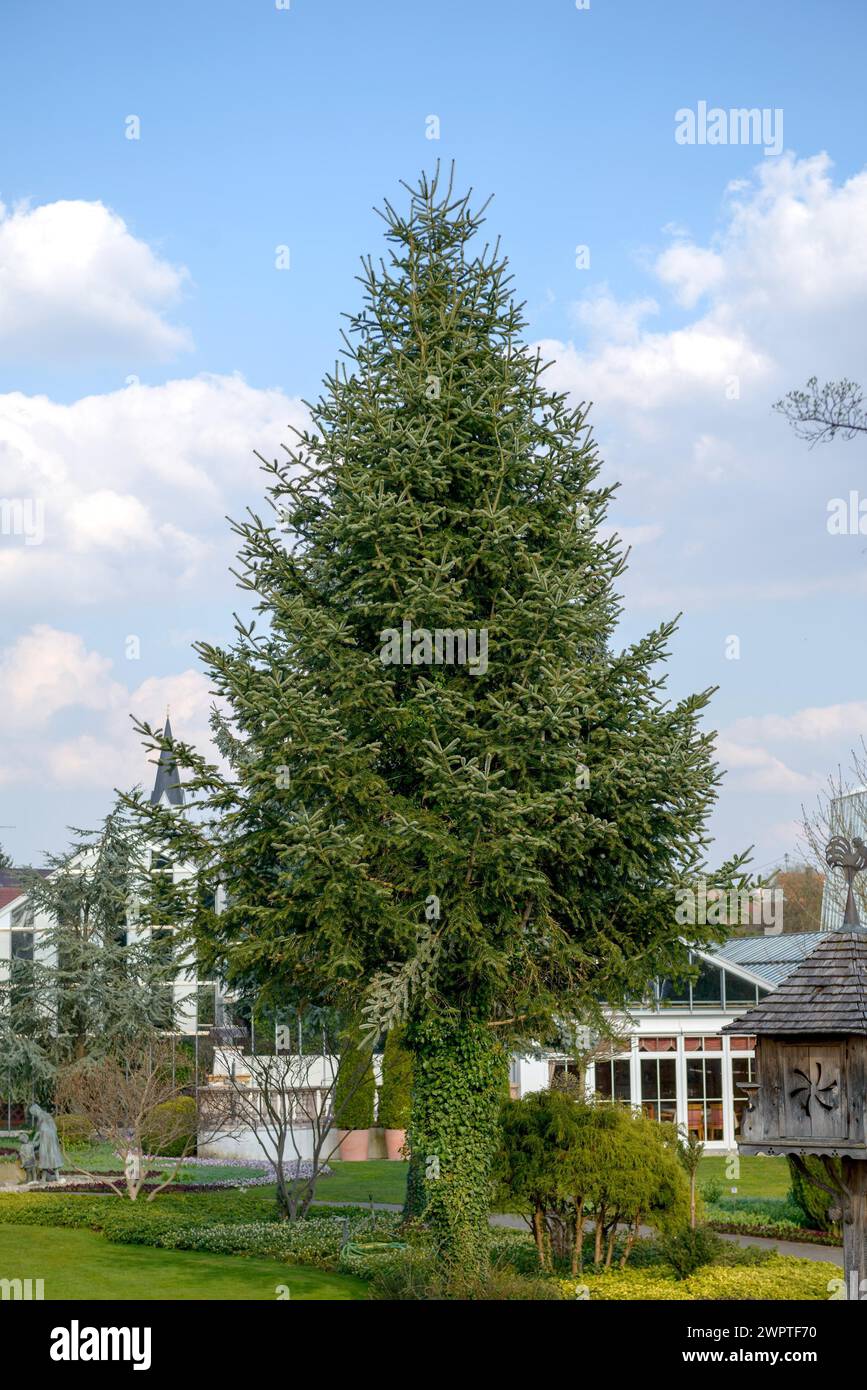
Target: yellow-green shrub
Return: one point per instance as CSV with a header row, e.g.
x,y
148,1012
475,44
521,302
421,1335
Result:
x,y
780,1277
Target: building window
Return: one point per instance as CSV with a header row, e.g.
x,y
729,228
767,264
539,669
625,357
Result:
x,y
657,1044
704,1105
659,1088
739,991
673,994
707,989
743,1044
612,1080
22,945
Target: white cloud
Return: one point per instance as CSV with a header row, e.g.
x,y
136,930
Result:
x,y
135,486
75,284
683,413
45,671
49,676
811,725
690,270
608,318
760,770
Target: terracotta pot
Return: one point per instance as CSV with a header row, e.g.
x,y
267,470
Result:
x,y
394,1142
354,1145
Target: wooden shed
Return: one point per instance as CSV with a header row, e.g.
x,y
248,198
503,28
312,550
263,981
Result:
x,y
808,1099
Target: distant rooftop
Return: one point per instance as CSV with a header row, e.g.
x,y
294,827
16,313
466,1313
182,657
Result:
x,y
772,957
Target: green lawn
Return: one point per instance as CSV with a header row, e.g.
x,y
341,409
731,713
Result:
x,y
386,1182
759,1177
378,1178
82,1265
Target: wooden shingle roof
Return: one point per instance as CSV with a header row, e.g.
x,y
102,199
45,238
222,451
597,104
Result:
x,y
827,993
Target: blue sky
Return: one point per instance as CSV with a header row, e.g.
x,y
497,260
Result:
x,y
152,261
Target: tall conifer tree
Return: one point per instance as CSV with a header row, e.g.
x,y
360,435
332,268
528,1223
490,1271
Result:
x,y
477,849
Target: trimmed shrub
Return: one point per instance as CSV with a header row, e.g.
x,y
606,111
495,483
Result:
x,y
172,1128
688,1250
73,1131
416,1275
355,1091
394,1096
566,1161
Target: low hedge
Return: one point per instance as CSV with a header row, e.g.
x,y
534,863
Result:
x,y
778,1277
317,1241
772,1217
98,1213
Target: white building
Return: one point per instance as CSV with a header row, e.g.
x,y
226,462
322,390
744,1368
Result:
x,y
674,1062
196,1005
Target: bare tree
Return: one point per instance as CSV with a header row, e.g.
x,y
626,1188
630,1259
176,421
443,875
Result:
x,y
820,413
127,1103
285,1099
841,809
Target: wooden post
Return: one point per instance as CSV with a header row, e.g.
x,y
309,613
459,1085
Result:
x,y
855,1227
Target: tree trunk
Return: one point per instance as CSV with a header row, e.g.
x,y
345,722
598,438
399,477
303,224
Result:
x,y
631,1238
578,1243
460,1081
855,1228
539,1236
416,1197
597,1248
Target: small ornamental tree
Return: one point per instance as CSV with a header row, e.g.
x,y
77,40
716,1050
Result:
x,y
135,1104
396,1089
97,980
570,1162
452,800
811,1191
355,1091
544,1164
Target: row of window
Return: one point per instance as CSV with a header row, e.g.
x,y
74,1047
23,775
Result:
x,y
715,988
658,1082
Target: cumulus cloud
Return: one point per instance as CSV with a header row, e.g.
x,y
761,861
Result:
x,y
75,284
760,770
683,412
134,486
811,725
51,678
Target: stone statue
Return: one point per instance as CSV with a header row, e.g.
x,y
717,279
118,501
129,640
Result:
x,y
50,1158
27,1158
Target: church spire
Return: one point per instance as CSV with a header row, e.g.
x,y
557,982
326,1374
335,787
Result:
x,y
167,782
